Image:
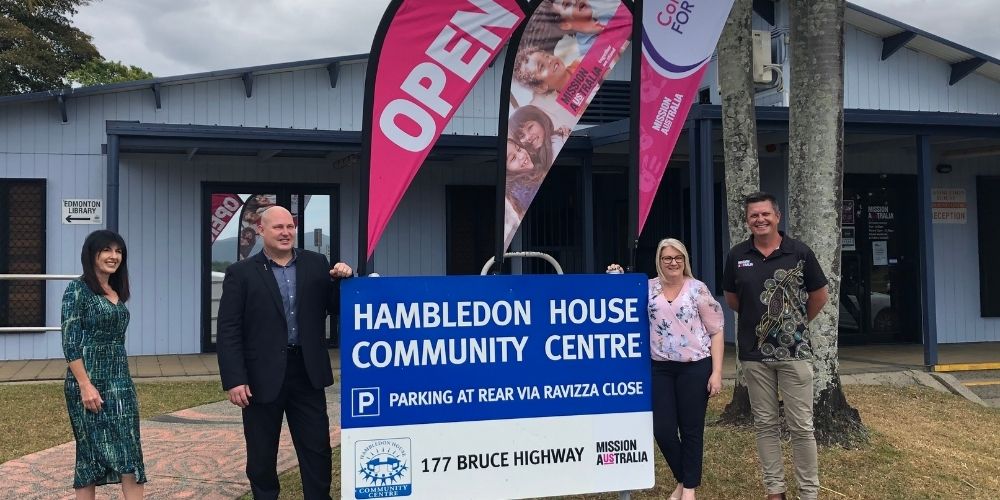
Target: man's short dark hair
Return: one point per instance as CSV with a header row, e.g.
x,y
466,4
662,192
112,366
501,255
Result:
x,y
759,196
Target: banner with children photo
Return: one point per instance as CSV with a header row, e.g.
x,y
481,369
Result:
x,y
564,53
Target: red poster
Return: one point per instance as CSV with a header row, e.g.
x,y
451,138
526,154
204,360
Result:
x,y
224,207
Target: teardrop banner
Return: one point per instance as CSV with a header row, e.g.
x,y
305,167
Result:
x,y
425,59
678,39
553,71
224,207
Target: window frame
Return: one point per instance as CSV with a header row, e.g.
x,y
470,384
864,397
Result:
x,y
5,184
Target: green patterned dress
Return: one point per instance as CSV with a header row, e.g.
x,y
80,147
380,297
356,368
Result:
x,y
107,442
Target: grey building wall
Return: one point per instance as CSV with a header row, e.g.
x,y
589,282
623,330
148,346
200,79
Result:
x,y
34,143
161,194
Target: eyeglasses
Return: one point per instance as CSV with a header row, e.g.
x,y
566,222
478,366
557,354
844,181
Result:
x,y
676,258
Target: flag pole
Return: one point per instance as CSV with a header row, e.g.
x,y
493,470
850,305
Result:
x,y
633,157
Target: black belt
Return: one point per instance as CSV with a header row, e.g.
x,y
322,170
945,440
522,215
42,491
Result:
x,y
293,349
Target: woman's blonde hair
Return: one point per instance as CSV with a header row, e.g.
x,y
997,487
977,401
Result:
x,y
677,245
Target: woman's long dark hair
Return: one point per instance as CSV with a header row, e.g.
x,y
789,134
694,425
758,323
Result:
x,y
95,242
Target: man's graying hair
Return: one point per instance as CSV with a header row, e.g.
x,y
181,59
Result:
x,y
759,196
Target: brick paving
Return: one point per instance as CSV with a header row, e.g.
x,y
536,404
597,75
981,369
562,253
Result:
x,y
197,453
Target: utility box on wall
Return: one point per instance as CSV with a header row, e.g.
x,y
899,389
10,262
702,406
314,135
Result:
x,y
761,42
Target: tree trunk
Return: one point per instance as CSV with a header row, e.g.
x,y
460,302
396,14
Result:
x,y
815,191
739,135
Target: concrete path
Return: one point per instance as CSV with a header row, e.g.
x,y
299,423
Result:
x,y
198,453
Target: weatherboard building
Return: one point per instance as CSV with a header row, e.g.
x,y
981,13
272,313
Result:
x,y
171,162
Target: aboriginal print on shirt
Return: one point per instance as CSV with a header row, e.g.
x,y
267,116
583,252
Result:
x,y
782,334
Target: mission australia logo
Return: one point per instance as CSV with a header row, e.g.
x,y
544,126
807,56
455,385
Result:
x,y
383,468
620,451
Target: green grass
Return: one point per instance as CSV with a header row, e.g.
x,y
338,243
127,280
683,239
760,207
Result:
x,y
925,445
44,406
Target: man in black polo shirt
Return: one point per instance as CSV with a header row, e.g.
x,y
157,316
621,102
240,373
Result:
x,y
776,286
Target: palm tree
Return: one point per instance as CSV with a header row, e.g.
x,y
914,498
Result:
x,y
815,191
739,136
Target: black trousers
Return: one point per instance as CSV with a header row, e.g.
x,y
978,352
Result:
x,y
680,398
309,425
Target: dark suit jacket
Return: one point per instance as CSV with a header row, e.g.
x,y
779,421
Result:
x,y
252,332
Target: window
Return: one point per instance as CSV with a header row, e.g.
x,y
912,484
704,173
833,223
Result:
x,y
22,251
988,205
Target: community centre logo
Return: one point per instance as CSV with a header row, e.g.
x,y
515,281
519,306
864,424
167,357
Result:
x,y
383,468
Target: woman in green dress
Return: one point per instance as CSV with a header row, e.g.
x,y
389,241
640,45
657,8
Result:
x,y
100,395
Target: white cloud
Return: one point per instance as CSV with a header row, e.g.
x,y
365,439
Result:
x,y
172,37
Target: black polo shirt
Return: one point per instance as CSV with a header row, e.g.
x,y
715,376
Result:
x,y
773,291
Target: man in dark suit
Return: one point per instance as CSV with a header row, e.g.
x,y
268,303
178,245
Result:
x,y
272,353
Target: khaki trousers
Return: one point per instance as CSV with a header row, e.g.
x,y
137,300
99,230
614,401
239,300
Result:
x,y
793,380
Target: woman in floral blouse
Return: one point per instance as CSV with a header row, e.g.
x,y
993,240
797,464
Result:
x,y
686,342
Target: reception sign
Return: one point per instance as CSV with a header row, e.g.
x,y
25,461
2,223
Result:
x,y
495,386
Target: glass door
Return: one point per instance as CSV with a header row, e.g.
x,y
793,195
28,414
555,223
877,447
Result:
x,y
315,222
231,215
878,299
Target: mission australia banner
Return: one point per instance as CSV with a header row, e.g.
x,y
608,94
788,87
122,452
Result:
x,y
426,57
560,61
678,39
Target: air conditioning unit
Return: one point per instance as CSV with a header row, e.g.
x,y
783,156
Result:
x,y
761,41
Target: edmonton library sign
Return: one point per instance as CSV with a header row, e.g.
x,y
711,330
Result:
x,y
495,387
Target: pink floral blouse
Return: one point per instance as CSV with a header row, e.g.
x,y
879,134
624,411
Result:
x,y
682,330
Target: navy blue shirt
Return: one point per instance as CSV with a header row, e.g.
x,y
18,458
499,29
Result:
x,y
285,276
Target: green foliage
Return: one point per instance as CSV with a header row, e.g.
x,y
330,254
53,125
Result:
x,y
220,266
38,44
100,72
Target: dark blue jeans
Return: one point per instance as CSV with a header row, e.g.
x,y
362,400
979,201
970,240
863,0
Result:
x,y
680,398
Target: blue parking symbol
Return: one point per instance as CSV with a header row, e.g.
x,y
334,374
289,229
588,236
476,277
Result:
x,y
365,402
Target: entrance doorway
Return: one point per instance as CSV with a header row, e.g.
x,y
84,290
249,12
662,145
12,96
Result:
x,y
231,212
879,293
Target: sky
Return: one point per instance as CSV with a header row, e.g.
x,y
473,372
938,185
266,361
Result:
x,y
177,37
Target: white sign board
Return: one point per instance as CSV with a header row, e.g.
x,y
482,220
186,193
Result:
x,y
495,387
847,239
880,253
75,211
948,206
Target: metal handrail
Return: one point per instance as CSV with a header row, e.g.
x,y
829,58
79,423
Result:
x,y
29,277
34,277
548,258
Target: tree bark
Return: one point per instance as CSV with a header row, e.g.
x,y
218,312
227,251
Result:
x,y
739,136
815,191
